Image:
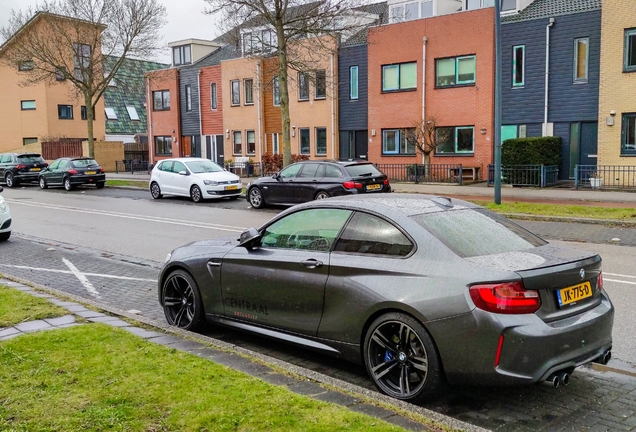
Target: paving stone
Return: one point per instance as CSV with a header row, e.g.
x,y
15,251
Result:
x,y
66,319
372,410
89,314
9,331
165,340
278,379
307,388
63,303
337,398
69,325
76,308
143,332
41,295
4,338
188,345
104,318
116,323
406,423
32,326
251,368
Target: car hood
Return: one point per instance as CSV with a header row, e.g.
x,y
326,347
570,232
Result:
x,y
263,180
213,247
217,176
539,257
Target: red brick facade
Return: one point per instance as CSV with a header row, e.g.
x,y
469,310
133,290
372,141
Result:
x,y
164,122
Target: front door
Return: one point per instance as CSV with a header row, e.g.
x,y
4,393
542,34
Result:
x,y
362,145
208,147
281,284
220,158
583,145
195,146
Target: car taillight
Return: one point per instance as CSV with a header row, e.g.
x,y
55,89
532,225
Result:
x,y
599,282
386,181
498,353
72,172
352,185
101,170
505,298
20,166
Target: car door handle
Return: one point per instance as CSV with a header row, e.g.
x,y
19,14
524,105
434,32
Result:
x,y
311,263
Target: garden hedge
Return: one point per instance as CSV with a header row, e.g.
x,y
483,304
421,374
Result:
x,y
531,151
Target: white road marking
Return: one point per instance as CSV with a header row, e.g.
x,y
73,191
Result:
x,y
619,281
619,275
131,216
85,274
78,274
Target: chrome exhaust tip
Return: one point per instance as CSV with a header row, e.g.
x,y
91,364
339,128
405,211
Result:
x,y
564,378
607,357
554,380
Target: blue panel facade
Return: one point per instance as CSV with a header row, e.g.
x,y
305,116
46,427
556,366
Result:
x,y
190,120
353,114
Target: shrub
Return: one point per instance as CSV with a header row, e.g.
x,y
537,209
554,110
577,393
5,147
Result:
x,y
274,162
531,151
298,158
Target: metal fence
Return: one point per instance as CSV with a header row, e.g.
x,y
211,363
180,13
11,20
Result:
x,y
432,173
605,177
246,169
526,175
131,166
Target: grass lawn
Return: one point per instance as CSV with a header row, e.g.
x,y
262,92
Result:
x,y
627,214
17,307
130,183
94,377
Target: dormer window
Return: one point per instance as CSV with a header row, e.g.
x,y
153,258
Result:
x,y
181,55
411,10
258,41
506,5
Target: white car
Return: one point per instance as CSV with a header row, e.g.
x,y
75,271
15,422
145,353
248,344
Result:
x,y
5,219
194,177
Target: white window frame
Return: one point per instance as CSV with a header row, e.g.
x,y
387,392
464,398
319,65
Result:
x,y
235,102
353,96
132,113
110,113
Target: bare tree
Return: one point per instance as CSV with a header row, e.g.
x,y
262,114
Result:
x,y
426,135
83,42
298,32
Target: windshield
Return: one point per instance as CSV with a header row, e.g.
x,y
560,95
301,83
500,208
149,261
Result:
x,y
30,159
363,170
83,163
476,232
203,166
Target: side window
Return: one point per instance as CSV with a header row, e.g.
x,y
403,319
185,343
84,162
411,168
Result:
x,y
314,229
63,164
367,234
5,158
55,165
321,171
178,167
291,171
166,166
309,170
332,171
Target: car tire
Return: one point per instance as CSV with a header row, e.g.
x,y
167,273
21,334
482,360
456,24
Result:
x,y
43,184
321,195
195,194
67,184
155,191
5,236
100,185
234,197
181,301
409,369
255,198
10,180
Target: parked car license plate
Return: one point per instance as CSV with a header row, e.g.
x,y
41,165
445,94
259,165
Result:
x,y
36,169
231,187
91,172
574,293
374,187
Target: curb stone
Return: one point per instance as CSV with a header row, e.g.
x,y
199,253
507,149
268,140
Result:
x,y
365,400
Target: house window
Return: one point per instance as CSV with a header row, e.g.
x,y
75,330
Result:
x,y
518,65
321,141
82,58
304,141
455,140
65,112
303,86
276,85
249,91
250,136
188,97
628,144
161,100
630,50
353,82
83,113
237,140
132,112
26,65
27,105
110,113
321,84
59,74
455,71
181,55
27,141
275,144
411,11
236,92
506,5
396,142
478,4
581,56
399,77
396,14
163,146
427,9
508,132
213,96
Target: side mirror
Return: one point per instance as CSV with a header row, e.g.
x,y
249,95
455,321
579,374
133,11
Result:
x,y
276,176
183,173
249,238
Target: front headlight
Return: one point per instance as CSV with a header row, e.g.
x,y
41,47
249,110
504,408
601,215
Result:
x,y
210,183
3,205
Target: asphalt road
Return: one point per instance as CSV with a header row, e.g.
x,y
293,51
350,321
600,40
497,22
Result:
x,y
108,245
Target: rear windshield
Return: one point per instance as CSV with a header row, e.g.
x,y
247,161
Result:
x,y
476,232
30,159
83,163
363,170
199,167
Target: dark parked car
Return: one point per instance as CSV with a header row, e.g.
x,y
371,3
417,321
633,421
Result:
x,y
16,168
419,289
70,172
310,180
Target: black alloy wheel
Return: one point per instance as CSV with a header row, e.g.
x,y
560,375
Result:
x,y
401,358
195,194
43,184
255,197
182,301
10,180
321,195
155,191
67,184
100,185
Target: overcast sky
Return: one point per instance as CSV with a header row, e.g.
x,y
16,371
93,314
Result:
x,y
185,20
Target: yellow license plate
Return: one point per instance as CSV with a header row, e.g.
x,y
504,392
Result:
x,y
374,187
231,187
91,172
36,169
574,293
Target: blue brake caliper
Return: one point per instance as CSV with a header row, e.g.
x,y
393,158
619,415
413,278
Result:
x,y
388,356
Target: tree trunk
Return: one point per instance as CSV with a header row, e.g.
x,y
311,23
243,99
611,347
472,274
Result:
x,y
90,116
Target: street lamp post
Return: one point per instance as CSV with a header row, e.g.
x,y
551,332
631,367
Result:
x,y
497,132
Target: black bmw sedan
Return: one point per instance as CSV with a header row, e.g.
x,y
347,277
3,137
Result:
x,y
312,180
422,290
71,172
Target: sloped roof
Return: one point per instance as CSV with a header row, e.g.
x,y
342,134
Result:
x,y
381,10
226,52
129,90
551,8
